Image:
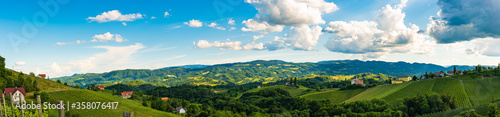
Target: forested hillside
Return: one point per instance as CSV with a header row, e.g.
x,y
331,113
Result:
x,y
254,71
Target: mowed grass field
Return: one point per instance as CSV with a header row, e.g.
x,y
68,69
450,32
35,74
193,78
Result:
x,y
483,91
125,105
336,96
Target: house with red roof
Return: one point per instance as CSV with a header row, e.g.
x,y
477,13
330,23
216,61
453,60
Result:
x,y
42,76
127,94
18,93
357,82
164,98
100,87
439,74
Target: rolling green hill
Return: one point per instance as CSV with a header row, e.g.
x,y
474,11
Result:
x,y
125,105
393,92
254,71
482,91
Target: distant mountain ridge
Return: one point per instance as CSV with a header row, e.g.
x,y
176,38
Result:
x,y
254,71
189,66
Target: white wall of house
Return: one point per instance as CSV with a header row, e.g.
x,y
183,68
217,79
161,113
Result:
x,y
17,96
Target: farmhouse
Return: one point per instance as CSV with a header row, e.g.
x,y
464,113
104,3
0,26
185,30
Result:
x,y
439,74
18,93
215,91
180,109
357,82
450,73
164,98
127,94
100,87
42,76
401,80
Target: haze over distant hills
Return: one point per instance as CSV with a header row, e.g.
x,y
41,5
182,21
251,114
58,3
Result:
x,y
254,71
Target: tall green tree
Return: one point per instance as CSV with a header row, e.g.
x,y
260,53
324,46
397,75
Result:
x,y
295,81
414,78
454,69
2,62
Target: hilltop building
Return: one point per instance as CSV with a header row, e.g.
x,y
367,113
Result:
x,y
42,76
100,87
401,80
357,82
127,94
18,93
439,74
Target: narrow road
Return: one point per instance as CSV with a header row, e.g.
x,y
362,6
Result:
x,y
462,84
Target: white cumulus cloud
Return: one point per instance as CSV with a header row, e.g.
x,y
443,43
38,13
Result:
x,y
194,23
386,34
485,46
108,37
115,15
231,22
166,14
20,63
273,15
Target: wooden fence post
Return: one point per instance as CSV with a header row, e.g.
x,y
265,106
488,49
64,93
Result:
x,y
128,114
39,103
1,114
61,110
4,107
12,104
21,103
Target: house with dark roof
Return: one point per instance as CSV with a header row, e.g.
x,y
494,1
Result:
x,y
180,109
127,94
18,93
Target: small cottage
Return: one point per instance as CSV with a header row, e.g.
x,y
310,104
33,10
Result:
x,y
127,94
18,93
180,109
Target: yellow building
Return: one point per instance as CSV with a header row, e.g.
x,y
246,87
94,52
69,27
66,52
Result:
x,y
405,79
401,80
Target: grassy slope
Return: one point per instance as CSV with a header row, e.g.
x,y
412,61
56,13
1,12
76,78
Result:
x,y
453,87
483,91
336,96
125,105
43,84
412,90
394,92
378,92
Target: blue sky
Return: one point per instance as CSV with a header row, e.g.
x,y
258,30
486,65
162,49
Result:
x,y
99,36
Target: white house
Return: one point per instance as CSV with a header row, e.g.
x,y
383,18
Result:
x,y
180,109
18,93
